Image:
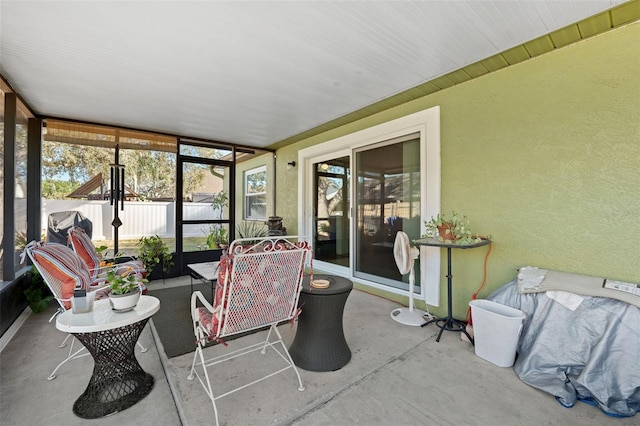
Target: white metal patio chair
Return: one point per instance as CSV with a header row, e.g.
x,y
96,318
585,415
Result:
x,y
259,284
63,271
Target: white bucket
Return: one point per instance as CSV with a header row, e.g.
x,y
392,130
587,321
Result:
x,y
496,331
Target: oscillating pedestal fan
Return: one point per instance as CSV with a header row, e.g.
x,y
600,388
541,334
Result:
x,y
405,256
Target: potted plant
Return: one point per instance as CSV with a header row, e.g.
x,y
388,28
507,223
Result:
x,y
252,229
450,229
217,237
219,201
125,289
153,251
38,294
102,253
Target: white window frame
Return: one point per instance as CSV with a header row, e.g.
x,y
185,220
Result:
x,y
247,195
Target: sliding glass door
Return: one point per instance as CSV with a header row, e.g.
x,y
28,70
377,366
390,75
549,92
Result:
x,y
387,200
360,189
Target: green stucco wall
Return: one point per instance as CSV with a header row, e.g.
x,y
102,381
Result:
x,y
544,156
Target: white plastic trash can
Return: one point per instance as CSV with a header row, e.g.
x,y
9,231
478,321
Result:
x,y
496,331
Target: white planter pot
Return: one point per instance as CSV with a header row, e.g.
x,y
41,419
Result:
x,y
124,302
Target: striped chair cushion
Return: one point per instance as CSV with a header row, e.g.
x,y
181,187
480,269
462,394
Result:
x,y
63,270
131,266
83,246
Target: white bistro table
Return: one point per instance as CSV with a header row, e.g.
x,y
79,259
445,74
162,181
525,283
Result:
x,y
205,272
118,381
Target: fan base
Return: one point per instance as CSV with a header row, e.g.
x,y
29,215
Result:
x,y
408,316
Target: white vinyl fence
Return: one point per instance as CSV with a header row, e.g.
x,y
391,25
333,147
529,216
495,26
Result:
x,y
138,218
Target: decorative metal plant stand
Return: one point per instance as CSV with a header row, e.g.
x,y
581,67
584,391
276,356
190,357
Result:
x,y
118,381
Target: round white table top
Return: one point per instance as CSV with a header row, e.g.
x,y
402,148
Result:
x,y
102,317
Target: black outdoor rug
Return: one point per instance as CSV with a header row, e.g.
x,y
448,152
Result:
x,y
173,321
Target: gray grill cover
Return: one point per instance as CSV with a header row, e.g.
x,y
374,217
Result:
x,y
590,354
60,223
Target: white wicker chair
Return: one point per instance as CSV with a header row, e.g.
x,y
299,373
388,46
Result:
x,y
258,287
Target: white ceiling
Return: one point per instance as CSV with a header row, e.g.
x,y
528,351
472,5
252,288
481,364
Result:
x,y
250,72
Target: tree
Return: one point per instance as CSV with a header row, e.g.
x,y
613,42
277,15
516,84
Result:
x,y
56,189
257,182
74,163
150,174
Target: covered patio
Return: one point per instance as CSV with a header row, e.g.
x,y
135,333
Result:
x,y
397,375
349,121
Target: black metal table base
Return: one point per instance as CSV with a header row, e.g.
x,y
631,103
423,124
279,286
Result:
x,y
449,324
118,381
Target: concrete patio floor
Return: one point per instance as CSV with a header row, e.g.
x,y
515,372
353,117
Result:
x,y
398,375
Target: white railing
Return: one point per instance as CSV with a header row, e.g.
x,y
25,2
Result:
x,y
138,218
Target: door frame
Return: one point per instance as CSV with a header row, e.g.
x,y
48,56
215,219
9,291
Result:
x,y
427,124
306,192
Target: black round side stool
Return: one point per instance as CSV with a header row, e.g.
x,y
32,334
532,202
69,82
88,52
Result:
x,y
319,344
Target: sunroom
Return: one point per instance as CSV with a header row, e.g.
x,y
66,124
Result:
x,y
524,117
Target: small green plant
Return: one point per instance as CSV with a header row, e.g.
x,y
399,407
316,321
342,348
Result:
x,y
38,294
217,236
219,201
21,240
104,260
124,283
325,227
450,229
217,233
251,229
152,251
102,251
